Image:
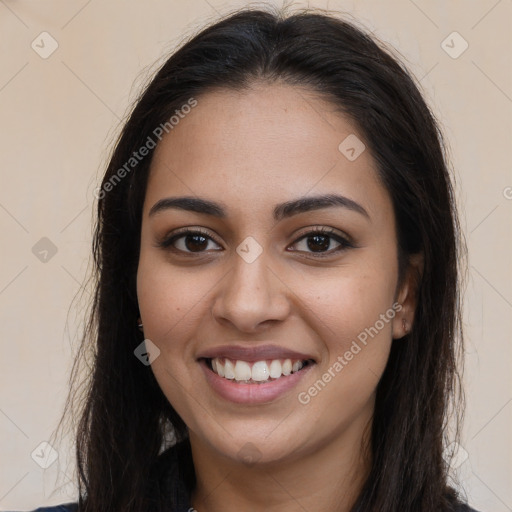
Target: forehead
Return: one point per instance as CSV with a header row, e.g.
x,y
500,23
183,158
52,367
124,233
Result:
x,y
265,145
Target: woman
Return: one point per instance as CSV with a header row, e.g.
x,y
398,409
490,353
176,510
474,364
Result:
x,y
277,315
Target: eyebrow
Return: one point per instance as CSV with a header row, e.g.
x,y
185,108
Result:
x,y
281,211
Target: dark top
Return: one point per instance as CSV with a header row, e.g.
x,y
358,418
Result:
x,y
173,480
73,507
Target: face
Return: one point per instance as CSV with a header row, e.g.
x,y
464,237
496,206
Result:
x,y
266,278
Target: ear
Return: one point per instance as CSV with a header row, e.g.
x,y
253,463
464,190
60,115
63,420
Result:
x,y
407,296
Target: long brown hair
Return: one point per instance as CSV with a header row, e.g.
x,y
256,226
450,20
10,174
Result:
x,y
124,417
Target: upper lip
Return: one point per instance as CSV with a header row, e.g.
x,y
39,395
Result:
x,y
253,354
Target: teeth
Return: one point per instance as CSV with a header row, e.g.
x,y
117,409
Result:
x,y
260,371
275,369
229,369
296,366
287,367
242,371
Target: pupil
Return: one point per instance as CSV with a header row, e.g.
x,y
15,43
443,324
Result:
x,y
318,243
193,246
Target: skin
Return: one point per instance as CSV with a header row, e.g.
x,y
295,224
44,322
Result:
x,y
251,150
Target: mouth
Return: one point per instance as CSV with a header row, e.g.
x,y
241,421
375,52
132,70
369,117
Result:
x,y
255,372
254,375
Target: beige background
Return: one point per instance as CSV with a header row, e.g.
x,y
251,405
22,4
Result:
x,y
59,116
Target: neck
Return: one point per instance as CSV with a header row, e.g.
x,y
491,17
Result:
x,y
327,478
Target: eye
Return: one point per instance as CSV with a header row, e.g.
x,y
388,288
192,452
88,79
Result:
x,y
187,241
319,241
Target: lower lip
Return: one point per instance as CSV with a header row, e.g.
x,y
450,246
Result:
x,y
252,393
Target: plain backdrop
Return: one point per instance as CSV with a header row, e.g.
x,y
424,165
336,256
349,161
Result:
x,y
60,113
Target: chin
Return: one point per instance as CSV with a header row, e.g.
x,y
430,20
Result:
x,y
257,448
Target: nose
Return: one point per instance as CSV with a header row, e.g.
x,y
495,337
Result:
x,y
251,295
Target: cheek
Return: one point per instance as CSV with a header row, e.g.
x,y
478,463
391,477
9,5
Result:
x,y
354,319
344,305
171,303
353,315
171,299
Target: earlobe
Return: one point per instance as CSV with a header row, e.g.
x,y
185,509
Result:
x,y
407,297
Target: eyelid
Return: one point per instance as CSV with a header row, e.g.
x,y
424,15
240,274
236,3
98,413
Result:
x,y
318,228
166,241
344,240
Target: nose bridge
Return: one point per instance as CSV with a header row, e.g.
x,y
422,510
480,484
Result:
x,y
252,276
251,293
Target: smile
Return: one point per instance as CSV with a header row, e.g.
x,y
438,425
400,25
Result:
x,y
257,372
247,389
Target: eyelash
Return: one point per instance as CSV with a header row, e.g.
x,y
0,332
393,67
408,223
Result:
x,y
167,242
